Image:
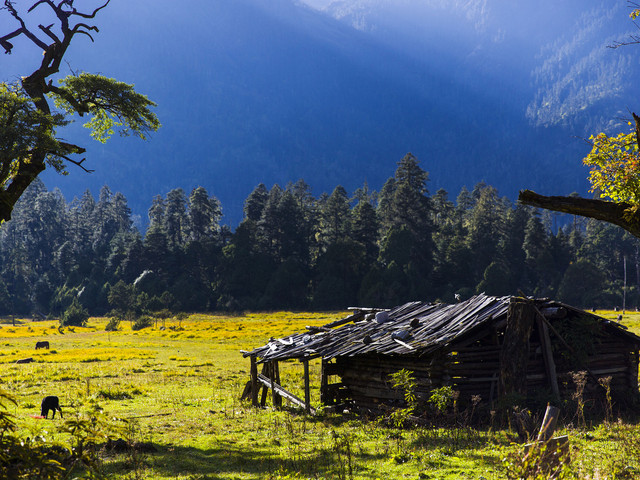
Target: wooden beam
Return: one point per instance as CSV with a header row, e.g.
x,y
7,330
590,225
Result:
x,y
547,355
548,423
324,381
277,399
514,353
282,392
265,389
254,382
351,318
307,391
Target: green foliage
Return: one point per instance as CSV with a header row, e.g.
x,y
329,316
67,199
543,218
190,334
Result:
x,y
112,325
615,167
75,316
536,464
111,103
442,398
53,252
38,457
404,379
25,128
581,284
142,322
122,298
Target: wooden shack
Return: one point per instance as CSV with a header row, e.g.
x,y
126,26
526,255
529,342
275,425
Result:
x,y
486,346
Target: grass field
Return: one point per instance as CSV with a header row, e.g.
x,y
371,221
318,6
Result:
x,y
179,387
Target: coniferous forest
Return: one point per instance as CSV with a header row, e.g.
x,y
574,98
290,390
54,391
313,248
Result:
x,y
293,250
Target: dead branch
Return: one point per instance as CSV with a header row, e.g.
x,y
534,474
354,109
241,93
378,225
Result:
x,y
23,27
90,15
77,163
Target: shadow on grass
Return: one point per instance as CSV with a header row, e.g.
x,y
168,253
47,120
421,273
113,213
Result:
x,y
232,461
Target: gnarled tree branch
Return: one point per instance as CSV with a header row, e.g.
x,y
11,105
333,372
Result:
x,y
23,27
36,86
621,214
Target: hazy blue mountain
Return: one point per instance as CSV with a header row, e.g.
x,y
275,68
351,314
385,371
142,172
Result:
x,y
270,91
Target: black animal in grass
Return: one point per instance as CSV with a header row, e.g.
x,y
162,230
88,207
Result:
x,y
40,345
50,403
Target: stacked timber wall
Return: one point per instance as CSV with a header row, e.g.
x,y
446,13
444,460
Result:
x,y
475,370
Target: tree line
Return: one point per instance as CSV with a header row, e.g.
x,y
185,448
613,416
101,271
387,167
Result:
x,y
296,251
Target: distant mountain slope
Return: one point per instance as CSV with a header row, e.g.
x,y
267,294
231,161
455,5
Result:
x,y
556,50
269,91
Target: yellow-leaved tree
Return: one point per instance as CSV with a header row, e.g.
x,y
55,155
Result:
x,y
614,176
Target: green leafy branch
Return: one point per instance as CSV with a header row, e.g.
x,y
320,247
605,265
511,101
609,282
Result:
x,y
112,104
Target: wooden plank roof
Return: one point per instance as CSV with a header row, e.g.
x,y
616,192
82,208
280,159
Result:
x,y
413,328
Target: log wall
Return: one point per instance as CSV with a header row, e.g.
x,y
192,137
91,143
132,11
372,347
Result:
x,y
475,370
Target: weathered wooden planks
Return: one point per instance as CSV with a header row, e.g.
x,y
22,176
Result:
x,y
461,345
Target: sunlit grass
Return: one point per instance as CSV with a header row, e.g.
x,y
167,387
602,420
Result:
x,y
178,385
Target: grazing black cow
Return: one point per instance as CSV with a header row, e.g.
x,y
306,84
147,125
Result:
x,y
40,345
50,403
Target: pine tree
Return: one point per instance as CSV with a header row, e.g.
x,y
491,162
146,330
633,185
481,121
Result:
x,y
365,228
203,217
175,218
157,213
485,225
335,221
255,203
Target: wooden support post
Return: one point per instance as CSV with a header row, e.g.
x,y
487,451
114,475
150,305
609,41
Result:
x,y
277,398
307,391
548,452
548,423
254,382
324,382
633,371
562,340
547,355
265,390
514,354
273,381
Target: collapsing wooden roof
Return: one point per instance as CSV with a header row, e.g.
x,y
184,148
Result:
x,y
415,328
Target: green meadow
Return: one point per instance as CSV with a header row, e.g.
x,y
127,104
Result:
x,y
175,389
